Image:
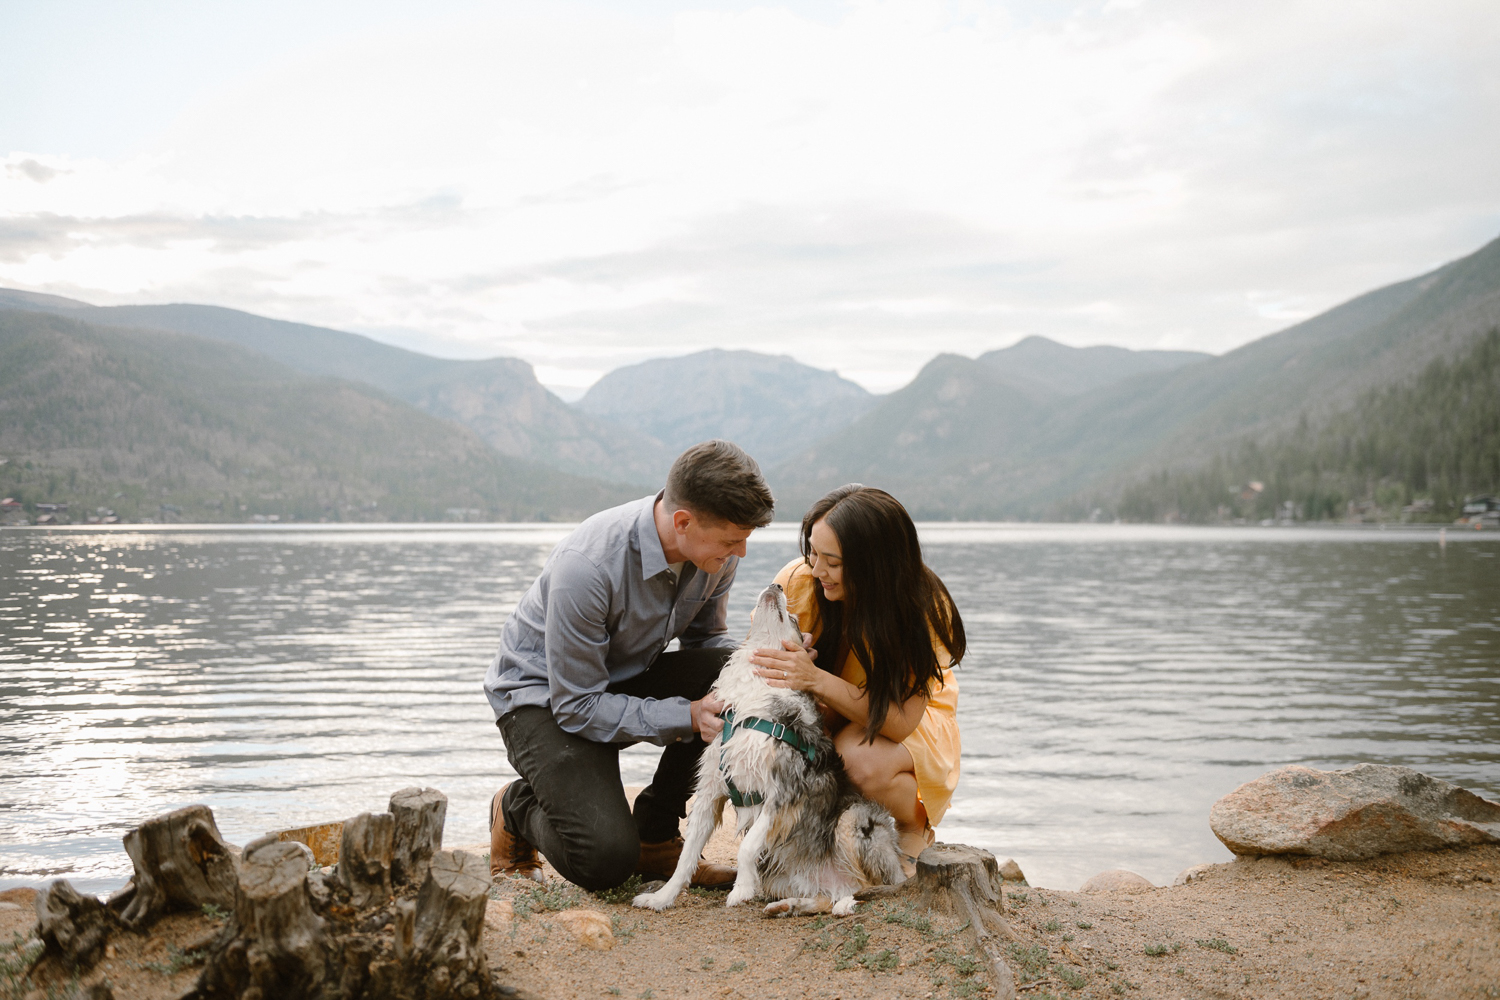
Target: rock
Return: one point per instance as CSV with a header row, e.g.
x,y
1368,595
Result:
x,y
1116,880
590,927
1352,814
498,915
1011,872
1192,874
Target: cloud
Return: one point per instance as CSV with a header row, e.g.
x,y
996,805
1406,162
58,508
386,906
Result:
x,y
862,186
32,170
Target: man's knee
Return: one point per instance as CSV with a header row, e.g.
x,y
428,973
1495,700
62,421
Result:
x,y
602,861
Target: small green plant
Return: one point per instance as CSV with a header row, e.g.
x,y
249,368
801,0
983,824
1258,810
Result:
x,y
645,995
1117,989
1216,944
908,916
1018,898
883,960
855,941
1181,971
707,963
707,893
15,958
214,912
177,960
623,931
737,967
622,893
1111,966
1073,977
964,965
541,898
1067,937
613,991
1157,950
1031,962
1084,925
1052,927
969,987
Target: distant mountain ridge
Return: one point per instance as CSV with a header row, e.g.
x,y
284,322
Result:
x,y
967,440
772,406
498,398
1071,371
152,423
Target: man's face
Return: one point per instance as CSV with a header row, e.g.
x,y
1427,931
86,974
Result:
x,y
708,544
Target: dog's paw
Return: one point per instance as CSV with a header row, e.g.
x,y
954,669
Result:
x,y
658,900
740,895
845,906
781,908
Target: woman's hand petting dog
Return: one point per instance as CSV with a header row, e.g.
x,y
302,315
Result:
x,y
792,666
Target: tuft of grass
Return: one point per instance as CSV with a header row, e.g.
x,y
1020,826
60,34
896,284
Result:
x,y
908,916
15,958
177,960
1216,944
1117,989
1073,977
1052,927
706,893
1084,925
541,898
856,940
1157,950
1019,898
622,893
737,967
883,960
613,991
623,931
645,995
707,963
1032,962
964,965
215,912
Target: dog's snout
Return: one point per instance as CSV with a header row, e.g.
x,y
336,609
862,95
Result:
x,y
776,587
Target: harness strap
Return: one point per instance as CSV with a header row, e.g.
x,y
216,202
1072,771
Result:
x,y
775,730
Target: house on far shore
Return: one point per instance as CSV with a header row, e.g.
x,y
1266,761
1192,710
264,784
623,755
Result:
x,y
51,513
13,511
1481,510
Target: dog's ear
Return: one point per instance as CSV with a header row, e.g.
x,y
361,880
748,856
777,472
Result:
x,y
792,615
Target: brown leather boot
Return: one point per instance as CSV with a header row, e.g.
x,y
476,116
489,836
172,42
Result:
x,y
659,861
511,855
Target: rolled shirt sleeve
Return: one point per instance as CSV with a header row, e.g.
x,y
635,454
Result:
x,y
577,645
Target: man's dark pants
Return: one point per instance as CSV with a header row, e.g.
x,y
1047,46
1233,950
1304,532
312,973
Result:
x,y
570,802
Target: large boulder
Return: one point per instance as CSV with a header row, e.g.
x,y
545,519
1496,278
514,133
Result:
x,y
1348,815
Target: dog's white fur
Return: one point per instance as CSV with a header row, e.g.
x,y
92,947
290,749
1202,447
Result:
x,y
852,843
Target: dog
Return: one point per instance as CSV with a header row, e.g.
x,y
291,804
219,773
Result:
x,y
810,840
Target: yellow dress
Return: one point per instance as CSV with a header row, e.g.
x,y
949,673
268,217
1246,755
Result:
x,y
934,744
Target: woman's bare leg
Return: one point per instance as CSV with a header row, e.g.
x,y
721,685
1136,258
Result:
x,y
884,771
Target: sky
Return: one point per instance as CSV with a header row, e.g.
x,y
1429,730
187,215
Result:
x,y
858,185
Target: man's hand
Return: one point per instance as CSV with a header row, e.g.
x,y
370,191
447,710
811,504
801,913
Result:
x,y
706,721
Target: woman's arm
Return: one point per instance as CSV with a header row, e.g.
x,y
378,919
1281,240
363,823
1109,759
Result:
x,y
792,667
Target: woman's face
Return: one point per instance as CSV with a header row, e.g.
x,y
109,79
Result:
x,y
827,560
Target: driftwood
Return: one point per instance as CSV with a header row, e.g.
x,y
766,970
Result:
x,y
420,814
965,882
74,927
365,854
181,862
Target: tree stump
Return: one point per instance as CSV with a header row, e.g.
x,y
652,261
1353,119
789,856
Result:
x,y
447,959
365,853
420,814
965,882
181,862
73,927
275,947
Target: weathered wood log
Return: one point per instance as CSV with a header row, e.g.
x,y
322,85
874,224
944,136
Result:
x,y
365,858
447,958
181,862
965,882
420,814
74,927
276,945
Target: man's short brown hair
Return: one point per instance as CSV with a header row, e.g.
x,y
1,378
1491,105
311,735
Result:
x,y
719,480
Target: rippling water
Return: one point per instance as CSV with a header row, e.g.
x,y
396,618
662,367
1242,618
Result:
x,y
1119,679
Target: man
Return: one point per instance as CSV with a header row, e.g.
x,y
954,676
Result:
x,y
582,671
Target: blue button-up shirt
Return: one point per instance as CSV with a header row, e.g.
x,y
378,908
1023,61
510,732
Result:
x,y
605,607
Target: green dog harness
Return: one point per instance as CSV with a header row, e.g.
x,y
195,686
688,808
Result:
x,y
775,730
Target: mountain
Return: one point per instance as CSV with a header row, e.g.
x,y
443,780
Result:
x,y
772,406
499,398
966,439
153,423
1071,371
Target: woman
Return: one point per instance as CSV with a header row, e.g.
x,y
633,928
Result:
x,y
888,630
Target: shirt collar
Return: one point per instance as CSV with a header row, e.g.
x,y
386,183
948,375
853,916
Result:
x,y
653,556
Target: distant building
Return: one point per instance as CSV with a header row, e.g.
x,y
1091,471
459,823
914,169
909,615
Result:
x,y
1481,510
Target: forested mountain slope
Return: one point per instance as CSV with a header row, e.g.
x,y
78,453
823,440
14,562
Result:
x,y
498,398
158,424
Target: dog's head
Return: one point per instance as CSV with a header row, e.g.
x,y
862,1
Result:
x,y
771,622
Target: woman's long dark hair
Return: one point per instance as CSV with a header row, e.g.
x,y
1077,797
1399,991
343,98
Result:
x,y
893,604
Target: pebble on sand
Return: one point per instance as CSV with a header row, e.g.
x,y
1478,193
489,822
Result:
x,y
1352,814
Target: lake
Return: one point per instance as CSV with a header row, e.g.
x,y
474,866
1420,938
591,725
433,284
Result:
x,y
1119,678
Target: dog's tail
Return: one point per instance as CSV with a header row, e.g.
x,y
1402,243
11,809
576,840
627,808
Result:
x,y
876,847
